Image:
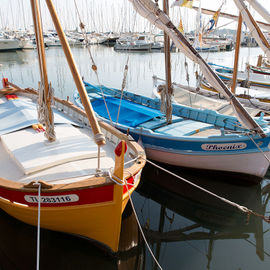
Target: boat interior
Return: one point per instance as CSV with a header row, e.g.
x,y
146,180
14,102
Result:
x,y
26,155
144,113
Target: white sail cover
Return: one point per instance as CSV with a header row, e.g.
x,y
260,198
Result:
x,y
151,12
254,30
260,9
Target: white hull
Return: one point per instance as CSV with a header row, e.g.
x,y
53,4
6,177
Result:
x,y
252,164
10,44
136,47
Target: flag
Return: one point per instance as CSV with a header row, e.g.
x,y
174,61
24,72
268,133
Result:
x,y
182,3
180,27
214,20
215,17
212,23
200,39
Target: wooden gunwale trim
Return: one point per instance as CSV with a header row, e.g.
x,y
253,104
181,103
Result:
x,y
87,183
94,182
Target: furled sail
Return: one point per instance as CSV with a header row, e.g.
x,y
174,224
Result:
x,y
260,9
253,27
152,12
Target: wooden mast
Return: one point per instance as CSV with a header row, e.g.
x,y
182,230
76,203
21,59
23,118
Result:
x,y
42,64
169,89
99,137
236,53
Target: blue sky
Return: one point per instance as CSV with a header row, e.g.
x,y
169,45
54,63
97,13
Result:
x,y
105,15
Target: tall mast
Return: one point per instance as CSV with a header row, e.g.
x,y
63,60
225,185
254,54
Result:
x,y
43,69
169,89
99,137
236,53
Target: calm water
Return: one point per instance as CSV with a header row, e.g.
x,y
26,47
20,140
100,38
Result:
x,y
185,228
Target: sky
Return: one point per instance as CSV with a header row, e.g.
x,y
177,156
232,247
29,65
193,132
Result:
x,y
109,15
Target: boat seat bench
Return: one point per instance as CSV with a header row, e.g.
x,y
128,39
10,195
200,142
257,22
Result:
x,y
184,128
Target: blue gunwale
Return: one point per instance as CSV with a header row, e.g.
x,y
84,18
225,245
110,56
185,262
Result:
x,y
149,133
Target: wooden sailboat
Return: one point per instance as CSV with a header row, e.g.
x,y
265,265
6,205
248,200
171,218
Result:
x,y
76,182
258,79
196,138
253,79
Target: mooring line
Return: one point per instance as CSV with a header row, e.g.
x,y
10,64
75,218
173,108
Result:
x,y
240,207
38,226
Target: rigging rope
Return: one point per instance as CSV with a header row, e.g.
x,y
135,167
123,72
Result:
x,y
140,227
43,112
94,67
123,182
258,147
238,206
122,88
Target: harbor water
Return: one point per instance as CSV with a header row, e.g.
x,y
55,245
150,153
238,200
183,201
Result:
x,y
185,227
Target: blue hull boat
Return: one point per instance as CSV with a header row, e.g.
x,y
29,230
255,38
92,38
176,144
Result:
x,y
196,138
255,79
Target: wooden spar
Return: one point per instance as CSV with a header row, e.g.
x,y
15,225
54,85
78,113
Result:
x,y
42,63
169,88
236,53
99,137
262,25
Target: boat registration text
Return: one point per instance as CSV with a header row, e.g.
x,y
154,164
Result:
x,y
52,199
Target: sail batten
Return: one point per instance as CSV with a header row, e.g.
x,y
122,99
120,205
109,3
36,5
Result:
x,y
151,11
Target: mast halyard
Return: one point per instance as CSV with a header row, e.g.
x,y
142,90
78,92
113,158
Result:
x,y
168,87
45,96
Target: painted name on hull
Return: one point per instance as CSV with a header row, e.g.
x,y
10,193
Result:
x,y
223,147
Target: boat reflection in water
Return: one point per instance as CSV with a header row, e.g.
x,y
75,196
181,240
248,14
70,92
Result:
x,y
62,251
190,229
185,227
